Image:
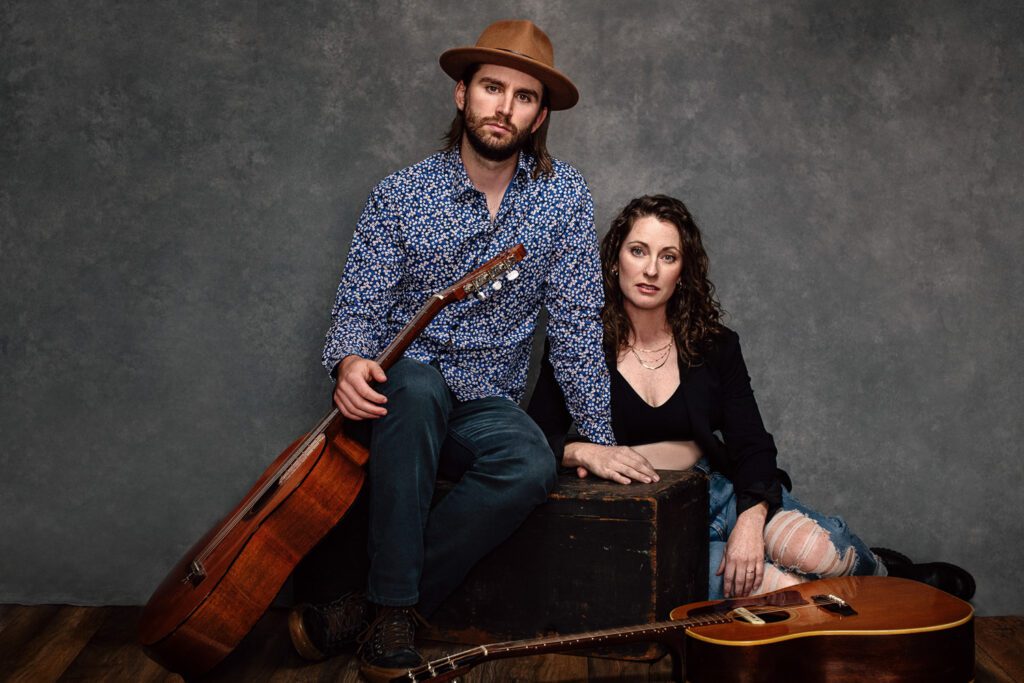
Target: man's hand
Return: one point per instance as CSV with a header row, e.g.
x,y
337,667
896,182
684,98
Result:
x,y
743,562
353,394
618,463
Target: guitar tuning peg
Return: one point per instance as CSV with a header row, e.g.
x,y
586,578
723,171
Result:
x,y
512,275
481,296
496,285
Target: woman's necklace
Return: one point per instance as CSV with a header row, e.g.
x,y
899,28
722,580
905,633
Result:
x,y
660,348
656,363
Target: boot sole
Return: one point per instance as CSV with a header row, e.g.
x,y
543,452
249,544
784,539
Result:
x,y
300,639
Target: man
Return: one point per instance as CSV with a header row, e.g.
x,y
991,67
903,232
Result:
x,y
449,406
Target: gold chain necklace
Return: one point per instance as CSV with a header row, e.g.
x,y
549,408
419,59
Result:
x,y
660,348
660,361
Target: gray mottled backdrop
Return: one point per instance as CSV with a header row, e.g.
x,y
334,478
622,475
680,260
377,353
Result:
x,y
179,183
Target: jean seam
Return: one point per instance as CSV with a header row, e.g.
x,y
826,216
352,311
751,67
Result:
x,y
392,602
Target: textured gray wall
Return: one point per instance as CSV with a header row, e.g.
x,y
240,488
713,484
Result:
x,y
179,182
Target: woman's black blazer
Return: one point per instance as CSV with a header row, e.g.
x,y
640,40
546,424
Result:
x,y
719,399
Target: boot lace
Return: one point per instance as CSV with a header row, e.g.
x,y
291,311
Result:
x,y
344,617
393,629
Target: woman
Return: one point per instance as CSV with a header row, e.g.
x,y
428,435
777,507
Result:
x,y
678,376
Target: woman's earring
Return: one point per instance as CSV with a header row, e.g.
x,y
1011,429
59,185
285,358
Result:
x,y
615,270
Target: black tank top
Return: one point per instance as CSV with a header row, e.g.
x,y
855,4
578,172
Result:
x,y
636,422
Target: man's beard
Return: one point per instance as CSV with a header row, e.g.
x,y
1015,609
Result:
x,y
492,149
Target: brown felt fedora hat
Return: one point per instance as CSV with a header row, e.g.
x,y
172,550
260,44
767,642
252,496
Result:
x,y
517,44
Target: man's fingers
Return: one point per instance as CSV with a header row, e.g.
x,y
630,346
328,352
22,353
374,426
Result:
x,y
356,408
359,393
366,392
582,472
354,411
635,474
377,373
613,474
642,465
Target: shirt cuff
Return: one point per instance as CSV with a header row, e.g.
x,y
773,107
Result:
x,y
760,492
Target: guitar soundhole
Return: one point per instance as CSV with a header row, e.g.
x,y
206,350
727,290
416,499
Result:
x,y
774,616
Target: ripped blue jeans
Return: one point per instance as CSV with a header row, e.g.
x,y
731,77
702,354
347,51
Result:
x,y
794,541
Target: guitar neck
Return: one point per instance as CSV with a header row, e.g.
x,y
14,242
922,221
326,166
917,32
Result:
x,y
447,667
390,355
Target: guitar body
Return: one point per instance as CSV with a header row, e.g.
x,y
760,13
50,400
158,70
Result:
x,y
189,626
902,631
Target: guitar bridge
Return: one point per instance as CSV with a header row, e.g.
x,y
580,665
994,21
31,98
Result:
x,y
834,604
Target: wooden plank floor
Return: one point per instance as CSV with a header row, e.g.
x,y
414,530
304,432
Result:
x,y
42,643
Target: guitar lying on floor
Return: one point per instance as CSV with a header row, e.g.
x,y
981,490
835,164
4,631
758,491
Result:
x,y
855,628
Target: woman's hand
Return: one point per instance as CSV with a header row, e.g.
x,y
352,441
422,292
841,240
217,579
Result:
x,y
618,463
743,563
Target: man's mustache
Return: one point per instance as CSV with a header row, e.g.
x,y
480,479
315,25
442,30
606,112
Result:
x,y
503,121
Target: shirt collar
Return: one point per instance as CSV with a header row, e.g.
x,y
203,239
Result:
x,y
461,184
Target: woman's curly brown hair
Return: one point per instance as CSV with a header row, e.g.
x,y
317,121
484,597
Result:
x,y
693,312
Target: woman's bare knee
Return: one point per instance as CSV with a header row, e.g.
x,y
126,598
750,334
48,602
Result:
x,y
795,541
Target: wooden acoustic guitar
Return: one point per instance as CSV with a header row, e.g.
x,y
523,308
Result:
x,y
845,630
215,594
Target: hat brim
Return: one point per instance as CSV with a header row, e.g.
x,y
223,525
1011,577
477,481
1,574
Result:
x,y
562,94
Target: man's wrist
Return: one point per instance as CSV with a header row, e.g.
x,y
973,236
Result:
x,y
340,365
570,456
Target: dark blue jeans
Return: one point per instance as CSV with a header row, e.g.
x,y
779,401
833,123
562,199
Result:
x,y
490,446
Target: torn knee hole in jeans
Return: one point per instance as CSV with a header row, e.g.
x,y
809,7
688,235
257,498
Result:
x,y
795,541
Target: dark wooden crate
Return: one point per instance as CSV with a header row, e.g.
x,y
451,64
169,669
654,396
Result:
x,y
596,555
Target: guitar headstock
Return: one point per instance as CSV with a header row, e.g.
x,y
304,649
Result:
x,y
491,275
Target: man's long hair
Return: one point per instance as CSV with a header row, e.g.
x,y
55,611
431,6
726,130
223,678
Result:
x,y
536,144
693,313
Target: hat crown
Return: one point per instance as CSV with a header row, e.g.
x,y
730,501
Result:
x,y
521,37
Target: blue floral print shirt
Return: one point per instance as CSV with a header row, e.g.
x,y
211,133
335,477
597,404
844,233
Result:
x,y
425,227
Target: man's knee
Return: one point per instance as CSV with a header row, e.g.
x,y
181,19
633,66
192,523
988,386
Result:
x,y
543,471
533,470
410,381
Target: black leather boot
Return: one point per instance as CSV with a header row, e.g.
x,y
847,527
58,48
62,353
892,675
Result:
x,y
322,631
942,575
387,648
